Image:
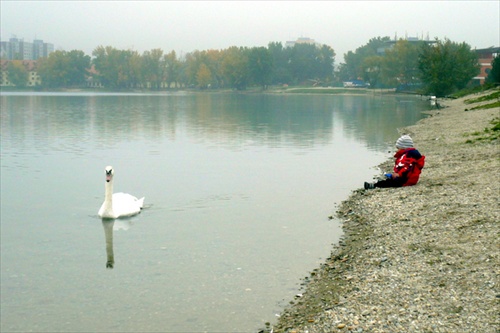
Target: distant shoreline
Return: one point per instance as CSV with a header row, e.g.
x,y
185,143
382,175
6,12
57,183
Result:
x,y
253,90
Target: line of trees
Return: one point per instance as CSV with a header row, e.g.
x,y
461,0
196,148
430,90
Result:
x,y
438,67
235,67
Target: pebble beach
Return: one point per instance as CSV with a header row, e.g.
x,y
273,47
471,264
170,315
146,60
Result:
x,y
423,258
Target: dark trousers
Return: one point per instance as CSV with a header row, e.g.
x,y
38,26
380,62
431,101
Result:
x,y
391,182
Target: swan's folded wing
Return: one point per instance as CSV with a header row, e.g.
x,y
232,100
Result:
x,y
123,196
125,204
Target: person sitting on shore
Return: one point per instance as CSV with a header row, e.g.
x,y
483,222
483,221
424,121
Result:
x,y
407,168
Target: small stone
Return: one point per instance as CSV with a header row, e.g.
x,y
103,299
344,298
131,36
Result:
x,y
341,326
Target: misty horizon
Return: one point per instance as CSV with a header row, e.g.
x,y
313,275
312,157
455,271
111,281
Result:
x,y
185,27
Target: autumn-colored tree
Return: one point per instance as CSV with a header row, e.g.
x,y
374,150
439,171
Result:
x,y
135,75
203,77
213,60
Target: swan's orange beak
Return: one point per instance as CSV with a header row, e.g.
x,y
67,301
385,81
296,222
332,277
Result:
x,y
108,178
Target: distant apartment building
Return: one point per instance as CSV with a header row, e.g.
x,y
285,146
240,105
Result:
x,y
301,40
41,49
18,49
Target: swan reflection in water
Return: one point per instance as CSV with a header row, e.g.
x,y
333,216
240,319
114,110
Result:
x,y
110,225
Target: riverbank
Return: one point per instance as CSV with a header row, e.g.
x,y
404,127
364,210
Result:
x,y
423,258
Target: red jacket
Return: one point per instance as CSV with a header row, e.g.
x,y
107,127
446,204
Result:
x,y
409,164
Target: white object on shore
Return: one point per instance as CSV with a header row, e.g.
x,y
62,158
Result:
x,y
118,204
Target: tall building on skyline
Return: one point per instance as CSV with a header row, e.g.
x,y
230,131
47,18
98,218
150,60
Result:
x,y
18,49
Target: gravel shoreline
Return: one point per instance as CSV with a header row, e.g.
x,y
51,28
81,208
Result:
x,y
423,258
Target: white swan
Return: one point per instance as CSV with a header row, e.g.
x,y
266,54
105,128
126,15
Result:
x,y
118,204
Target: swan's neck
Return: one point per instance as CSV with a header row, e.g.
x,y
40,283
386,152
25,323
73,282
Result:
x,y
108,196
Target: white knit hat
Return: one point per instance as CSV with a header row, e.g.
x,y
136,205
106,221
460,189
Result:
x,y
404,142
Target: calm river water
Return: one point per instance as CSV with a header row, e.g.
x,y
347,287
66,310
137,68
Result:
x,y
238,189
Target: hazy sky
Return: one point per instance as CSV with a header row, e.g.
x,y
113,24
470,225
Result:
x,y
186,26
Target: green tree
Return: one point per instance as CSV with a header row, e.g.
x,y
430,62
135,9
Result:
x,y
260,65
78,64
373,70
354,67
108,62
280,60
447,66
18,75
325,59
494,74
309,62
53,70
118,68
172,67
400,63
154,68
234,67
191,66
64,69
302,62
213,60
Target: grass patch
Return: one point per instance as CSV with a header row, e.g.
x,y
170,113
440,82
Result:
x,y
470,91
489,134
487,106
495,95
